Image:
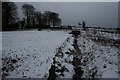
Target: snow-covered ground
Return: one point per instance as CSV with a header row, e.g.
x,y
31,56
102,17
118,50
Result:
x,y
33,50
100,60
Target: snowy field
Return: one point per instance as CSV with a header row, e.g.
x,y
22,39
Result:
x,y
100,55
99,58
30,54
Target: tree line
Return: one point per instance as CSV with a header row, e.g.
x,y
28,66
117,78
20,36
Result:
x,y
32,17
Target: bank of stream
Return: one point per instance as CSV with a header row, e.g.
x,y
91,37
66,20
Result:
x,y
64,59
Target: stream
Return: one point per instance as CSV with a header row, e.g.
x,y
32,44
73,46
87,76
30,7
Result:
x,y
57,67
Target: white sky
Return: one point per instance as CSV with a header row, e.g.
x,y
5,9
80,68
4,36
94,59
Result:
x,y
94,14
97,14
62,0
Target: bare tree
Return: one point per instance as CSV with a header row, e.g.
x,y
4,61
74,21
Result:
x,y
47,18
54,18
29,11
9,14
38,18
51,18
83,24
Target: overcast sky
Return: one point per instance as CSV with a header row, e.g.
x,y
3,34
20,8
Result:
x,y
103,14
